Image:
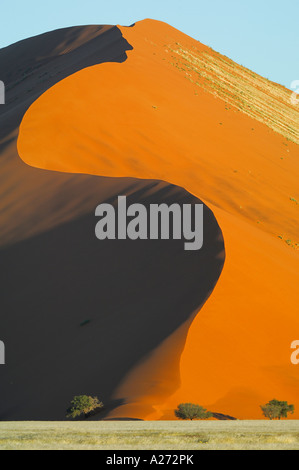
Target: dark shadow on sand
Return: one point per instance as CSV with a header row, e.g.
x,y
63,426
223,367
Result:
x,y
80,313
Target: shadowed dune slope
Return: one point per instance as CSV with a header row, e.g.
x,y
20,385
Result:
x,y
86,312
77,314
149,118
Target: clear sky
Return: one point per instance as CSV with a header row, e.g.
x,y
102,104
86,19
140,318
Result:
x,y
262,35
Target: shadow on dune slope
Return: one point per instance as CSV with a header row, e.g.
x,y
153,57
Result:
x,y
79,313
41,62
30,67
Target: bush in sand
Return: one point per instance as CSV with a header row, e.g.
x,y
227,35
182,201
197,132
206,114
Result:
x,y
192,411
83,405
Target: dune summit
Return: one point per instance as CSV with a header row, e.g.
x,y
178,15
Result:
x,y
117,111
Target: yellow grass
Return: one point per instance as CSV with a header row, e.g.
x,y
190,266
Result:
x,y
240,88
150,435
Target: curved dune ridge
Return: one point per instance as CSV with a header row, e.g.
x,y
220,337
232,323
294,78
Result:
x,y
76,309
147,118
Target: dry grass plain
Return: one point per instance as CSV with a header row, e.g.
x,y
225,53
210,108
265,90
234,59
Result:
x,y
150,435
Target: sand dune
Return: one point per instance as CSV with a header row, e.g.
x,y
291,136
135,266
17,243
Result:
x,y
149,118
79,314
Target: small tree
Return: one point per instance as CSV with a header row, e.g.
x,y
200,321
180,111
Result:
x,y
83,405
276,409
191,411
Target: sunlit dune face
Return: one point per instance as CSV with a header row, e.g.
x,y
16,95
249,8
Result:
x,y
143,119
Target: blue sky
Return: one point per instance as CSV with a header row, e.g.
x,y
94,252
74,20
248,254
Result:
x,y
259,34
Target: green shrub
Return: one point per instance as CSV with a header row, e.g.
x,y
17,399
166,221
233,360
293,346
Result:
x,y
192,411
83,405
276,409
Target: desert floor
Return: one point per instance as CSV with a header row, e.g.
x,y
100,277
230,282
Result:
x,y
150,435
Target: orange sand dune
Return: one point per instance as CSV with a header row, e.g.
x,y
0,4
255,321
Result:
x,y
144,119
73,309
